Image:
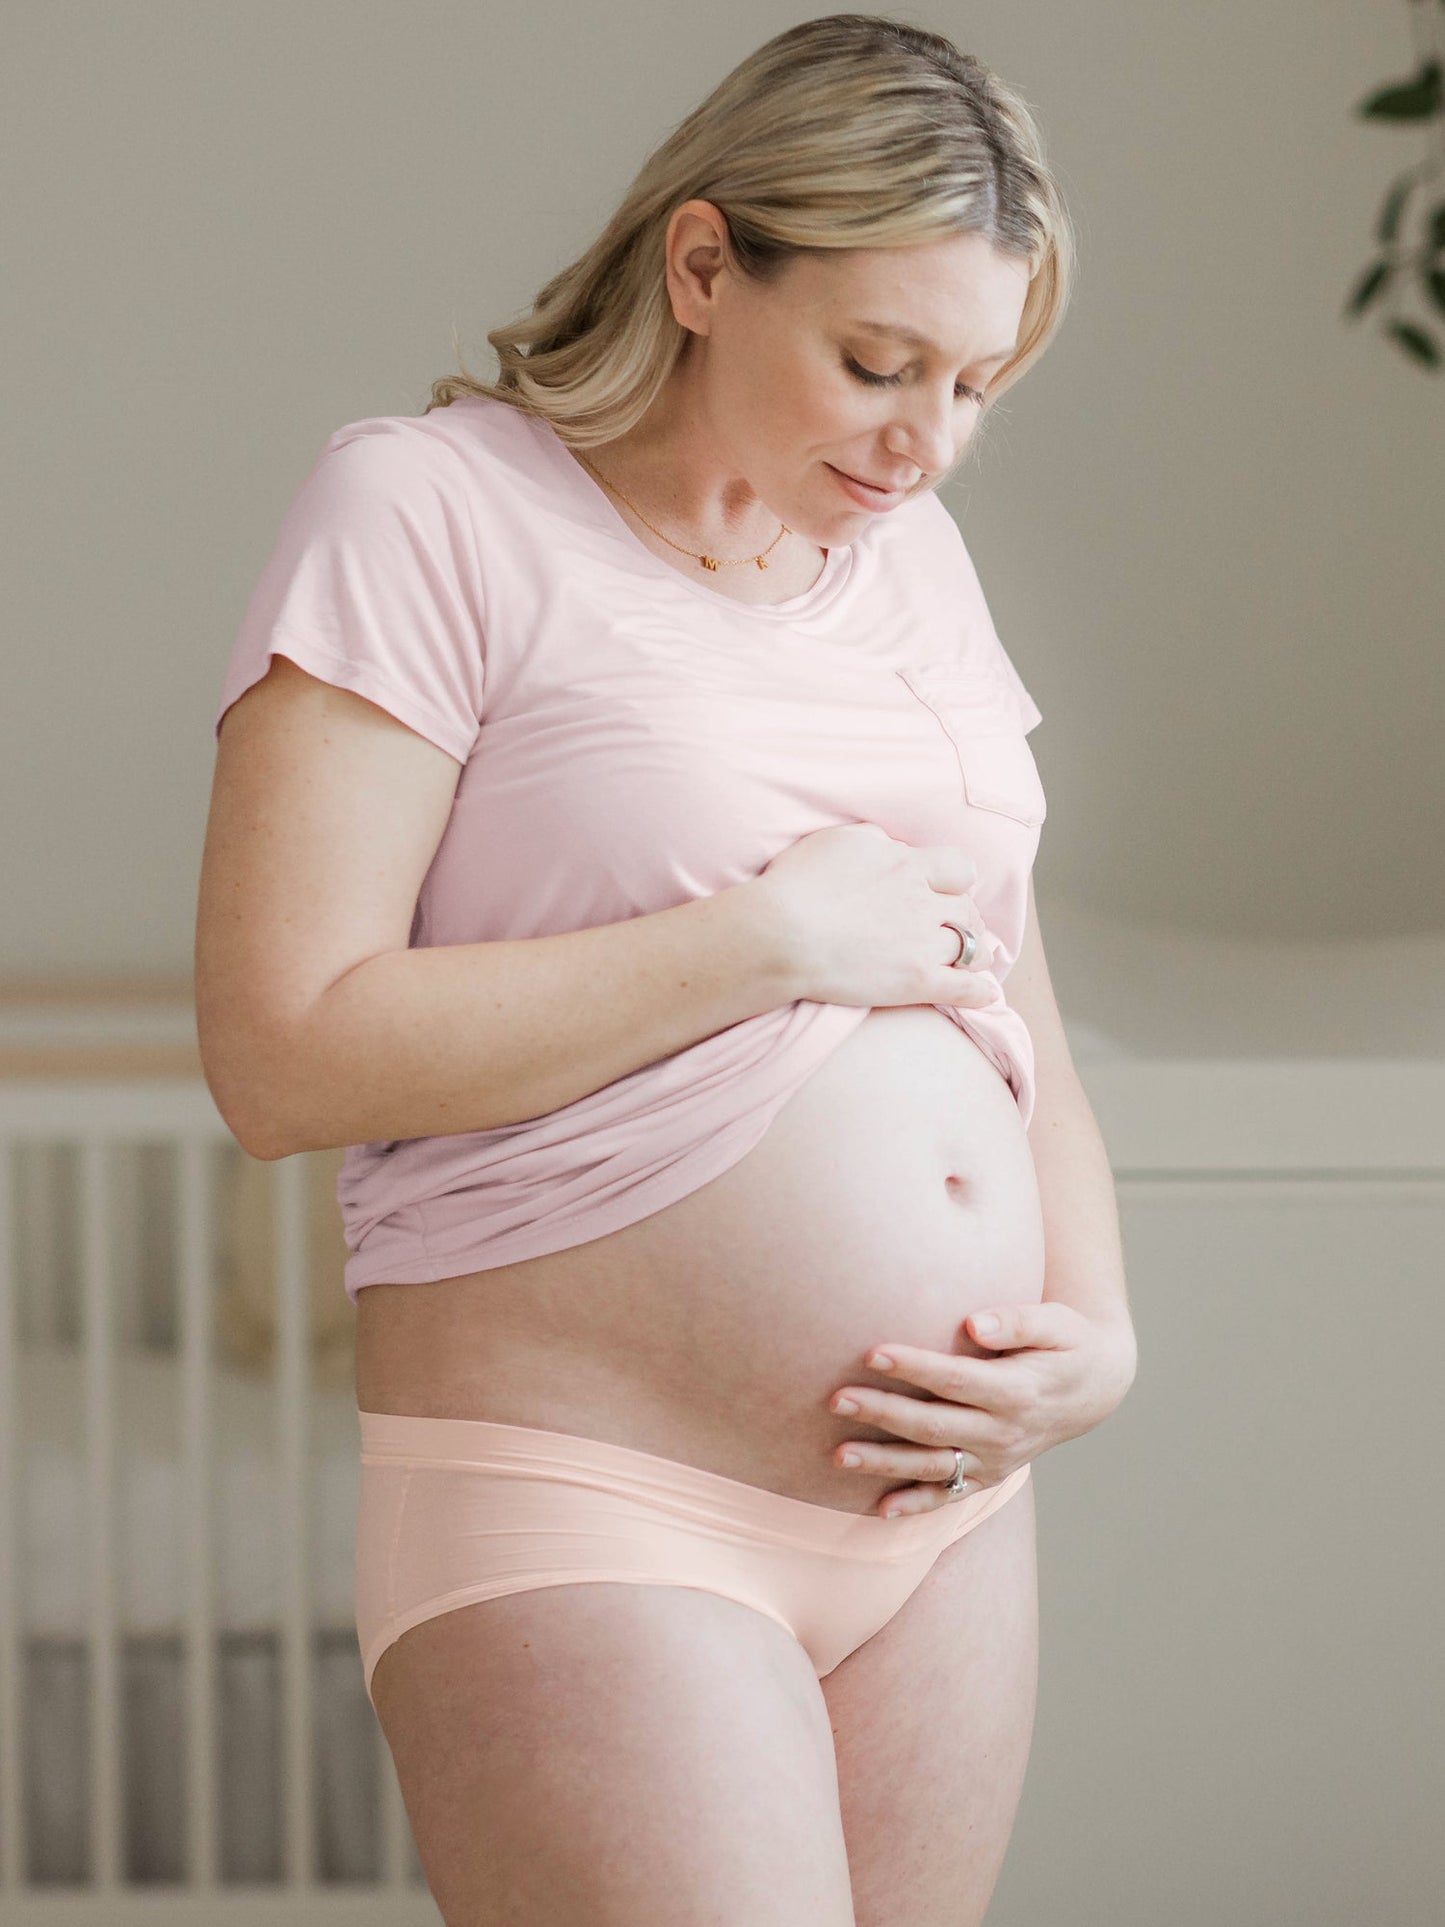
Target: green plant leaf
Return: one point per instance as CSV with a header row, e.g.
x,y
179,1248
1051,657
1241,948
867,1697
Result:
x,y
1435,282
1388,225
1415,99
1368,286
1416,342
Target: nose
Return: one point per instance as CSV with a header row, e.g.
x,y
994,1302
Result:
x,y
925,432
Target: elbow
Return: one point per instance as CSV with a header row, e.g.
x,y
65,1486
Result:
x,y
255,1128
248,1105
266,1150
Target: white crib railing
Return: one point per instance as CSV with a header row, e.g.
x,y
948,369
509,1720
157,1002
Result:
x,y
96,1118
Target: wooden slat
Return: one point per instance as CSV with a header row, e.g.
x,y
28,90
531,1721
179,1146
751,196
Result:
x,y
14,1870
109,993
196,1250
102,1531
31,1007
293,1504
99,1061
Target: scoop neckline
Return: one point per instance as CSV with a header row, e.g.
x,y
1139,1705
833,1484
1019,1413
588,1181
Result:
x,y
604,513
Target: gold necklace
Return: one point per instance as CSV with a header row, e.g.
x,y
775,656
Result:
x,y
708,561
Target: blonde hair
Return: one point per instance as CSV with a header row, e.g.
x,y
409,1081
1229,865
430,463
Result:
x,y
849,131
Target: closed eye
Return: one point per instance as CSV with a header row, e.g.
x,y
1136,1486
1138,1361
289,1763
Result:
x,y
891,381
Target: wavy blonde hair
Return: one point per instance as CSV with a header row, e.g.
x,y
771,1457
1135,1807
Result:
x,y
849,131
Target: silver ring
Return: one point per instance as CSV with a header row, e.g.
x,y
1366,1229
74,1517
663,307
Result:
x,y
968,948
958,1481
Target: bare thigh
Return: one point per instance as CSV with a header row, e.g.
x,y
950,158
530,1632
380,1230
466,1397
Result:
x,y
932,1723
616,1755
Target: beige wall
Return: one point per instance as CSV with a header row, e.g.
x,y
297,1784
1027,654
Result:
x,y
1209,524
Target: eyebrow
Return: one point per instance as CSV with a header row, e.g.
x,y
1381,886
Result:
x,y
911,335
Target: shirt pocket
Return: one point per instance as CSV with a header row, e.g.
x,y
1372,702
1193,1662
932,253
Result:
x,y
981,718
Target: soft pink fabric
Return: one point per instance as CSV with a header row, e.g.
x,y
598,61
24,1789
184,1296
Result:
x,y
630,739
455,1510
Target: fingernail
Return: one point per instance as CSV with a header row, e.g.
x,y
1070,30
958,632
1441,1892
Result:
x,y
845,1405
985,1322
881,1362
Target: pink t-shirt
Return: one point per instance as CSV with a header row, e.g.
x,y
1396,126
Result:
x,y
629,739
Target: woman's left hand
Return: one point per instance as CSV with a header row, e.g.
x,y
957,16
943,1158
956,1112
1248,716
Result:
x,y
1063,1374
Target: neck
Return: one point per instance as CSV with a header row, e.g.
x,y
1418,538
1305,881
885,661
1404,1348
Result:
x,y
671,468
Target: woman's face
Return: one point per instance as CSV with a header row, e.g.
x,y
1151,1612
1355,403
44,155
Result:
x,y
778,377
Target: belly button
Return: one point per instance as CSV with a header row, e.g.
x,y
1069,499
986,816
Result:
x,y
956,1182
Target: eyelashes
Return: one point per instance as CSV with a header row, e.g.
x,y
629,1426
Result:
x,y
875,380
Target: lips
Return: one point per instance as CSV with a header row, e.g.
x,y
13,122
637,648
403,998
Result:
x,y
868,494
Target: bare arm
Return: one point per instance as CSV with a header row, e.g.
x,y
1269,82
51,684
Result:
x,y
318,1027
462,1037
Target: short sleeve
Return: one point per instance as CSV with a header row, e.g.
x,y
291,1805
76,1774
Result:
x,y
372,584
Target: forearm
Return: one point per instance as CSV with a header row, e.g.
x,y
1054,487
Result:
x,y
467,1037
1083,1246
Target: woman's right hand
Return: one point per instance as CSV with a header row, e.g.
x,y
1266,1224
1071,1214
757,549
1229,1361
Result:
x,y
868,916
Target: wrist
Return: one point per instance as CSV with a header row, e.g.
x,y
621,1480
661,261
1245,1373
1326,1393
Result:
x,y
773,938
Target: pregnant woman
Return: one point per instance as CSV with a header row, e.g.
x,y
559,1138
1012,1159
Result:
x,y
621,842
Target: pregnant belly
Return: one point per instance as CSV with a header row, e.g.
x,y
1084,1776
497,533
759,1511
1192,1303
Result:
x,y
893,1194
